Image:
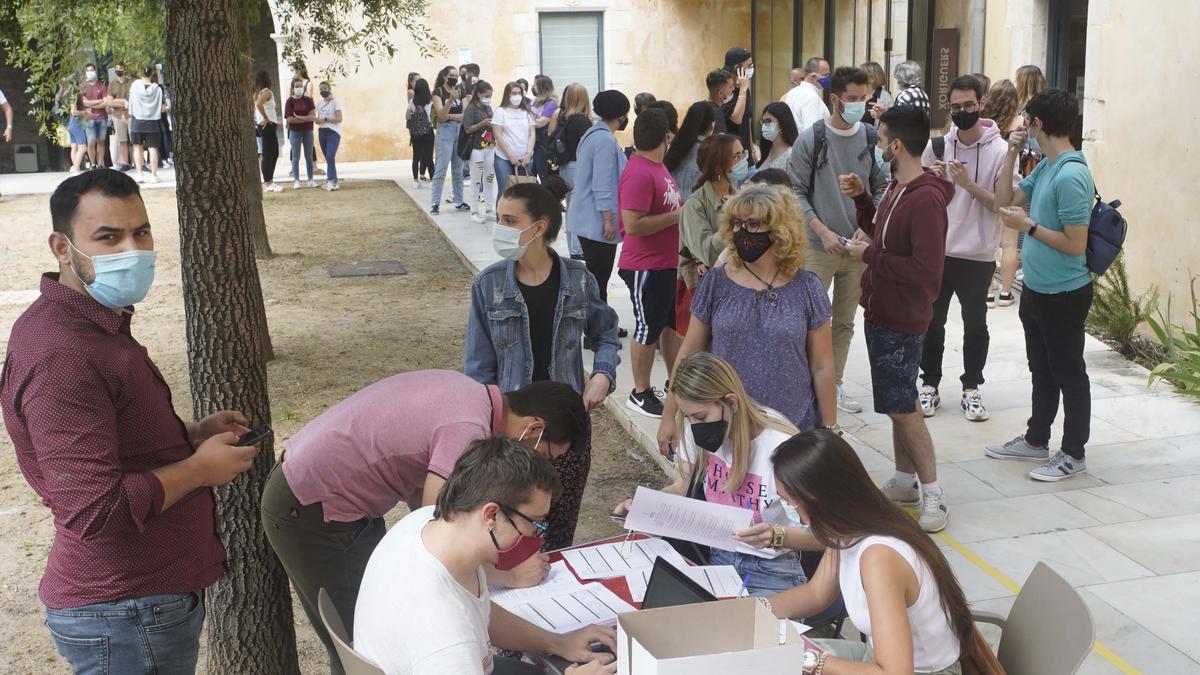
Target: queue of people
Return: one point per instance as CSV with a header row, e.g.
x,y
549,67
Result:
x,y
731,278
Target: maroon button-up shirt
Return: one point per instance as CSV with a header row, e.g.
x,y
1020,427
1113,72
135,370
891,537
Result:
x,y
91,418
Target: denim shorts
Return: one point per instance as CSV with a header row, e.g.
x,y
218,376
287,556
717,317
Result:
x,y
95,130
895,360
75,131
767,576
153,634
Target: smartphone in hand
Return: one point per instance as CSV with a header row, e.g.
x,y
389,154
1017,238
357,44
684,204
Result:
x,y
254,436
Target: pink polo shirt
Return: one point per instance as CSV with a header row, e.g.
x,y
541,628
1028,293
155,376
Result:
x,y
370,452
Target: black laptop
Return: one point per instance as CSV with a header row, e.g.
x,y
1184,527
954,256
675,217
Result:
x,y
669,586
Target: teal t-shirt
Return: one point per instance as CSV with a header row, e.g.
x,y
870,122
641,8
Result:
x,y
1059,194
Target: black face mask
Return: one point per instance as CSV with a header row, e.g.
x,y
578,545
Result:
x,y
624,123
751,245
709,435
965,120
119,72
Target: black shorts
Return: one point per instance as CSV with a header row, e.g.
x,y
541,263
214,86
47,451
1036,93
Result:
x,y
895,360
653,296
146,139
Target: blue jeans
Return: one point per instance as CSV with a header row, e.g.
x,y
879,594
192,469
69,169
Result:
x,y
568,174
445,158
154,634
504,169
330,140
95,130
300,139
767,576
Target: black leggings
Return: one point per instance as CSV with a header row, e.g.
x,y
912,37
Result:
x,y
422,161
599,257
270,151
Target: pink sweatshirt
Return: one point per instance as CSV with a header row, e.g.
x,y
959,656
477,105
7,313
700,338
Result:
x,y
974,229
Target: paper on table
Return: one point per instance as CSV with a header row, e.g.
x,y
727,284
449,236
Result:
x,y
574,608
695,520
558,580
605,561
720,580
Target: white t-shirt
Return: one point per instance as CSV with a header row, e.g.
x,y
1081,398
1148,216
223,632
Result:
x,y
412,617
2,99
807,107
269,106
329,107
514,124
757,491
935,646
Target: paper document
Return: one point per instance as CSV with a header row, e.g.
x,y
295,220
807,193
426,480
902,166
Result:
x,y
720,580
695,520
605,561
564,612
558,580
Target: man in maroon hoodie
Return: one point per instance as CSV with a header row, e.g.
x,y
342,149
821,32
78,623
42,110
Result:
x,y
903,245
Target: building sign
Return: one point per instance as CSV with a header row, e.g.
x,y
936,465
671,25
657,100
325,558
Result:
x,y
464,55
945,69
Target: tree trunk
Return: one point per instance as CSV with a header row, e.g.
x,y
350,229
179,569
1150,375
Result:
x,y
250,626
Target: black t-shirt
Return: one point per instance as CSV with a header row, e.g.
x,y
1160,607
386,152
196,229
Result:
x,y
742,130
718,119
542,301
455,108
576,126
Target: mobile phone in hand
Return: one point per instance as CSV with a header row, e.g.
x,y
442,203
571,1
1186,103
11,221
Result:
x,y
254,436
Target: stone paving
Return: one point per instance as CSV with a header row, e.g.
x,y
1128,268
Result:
x,y
1127,534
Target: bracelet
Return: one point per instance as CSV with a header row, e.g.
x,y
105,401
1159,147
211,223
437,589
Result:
x,y
1032,228
834,428
821,663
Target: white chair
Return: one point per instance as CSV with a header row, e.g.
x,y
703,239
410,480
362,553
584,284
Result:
x,y
352,662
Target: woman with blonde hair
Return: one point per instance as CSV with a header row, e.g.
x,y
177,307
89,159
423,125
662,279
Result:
x,y
725,458
1002,108
1030,81
575,118
764,313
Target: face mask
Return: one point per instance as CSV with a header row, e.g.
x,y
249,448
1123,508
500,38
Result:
x,y
965,120
624,123
451,81
485,101
888,155
91,74
298,91
120,72
852,111
750,72
122,279
506,242
524,547
710,435
751,245
792,514
515,100
738,173
824,82
325,94
1031,142
770,131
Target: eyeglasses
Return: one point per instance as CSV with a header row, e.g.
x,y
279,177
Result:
x,y
749,224
541,527
968,107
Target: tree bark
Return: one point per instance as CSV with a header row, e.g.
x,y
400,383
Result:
x,y
250,625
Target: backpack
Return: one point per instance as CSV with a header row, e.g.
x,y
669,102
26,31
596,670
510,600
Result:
x,y
555,148
821,155
1106,231
419,124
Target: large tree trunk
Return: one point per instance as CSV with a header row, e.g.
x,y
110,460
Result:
x,y
250,626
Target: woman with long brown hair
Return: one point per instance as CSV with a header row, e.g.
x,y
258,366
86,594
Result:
x,y
898,588
1002,107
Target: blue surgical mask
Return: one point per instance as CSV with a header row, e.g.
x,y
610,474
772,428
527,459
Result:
x,y
853,111
738,173
1031,142
792,514
824,81
122,279
770,130
486,101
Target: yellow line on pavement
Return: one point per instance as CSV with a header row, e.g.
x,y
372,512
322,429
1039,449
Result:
x,y
975,559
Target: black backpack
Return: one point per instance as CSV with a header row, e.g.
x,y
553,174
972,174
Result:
x,y
939,146
419,124
820,154
1106,231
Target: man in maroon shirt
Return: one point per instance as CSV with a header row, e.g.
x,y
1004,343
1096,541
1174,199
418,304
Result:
x,y
128,483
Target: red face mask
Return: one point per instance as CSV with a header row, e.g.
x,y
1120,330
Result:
x,y
520,551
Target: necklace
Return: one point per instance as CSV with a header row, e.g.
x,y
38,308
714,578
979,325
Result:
x,y
769,292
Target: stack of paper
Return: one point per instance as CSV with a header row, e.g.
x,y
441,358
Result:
x,y
606,561
695,520
572,609
558,580
720,580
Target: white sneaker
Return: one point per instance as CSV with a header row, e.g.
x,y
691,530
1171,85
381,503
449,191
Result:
x,y
477,218
273,187
908,495
972,405
1060,467
141,177
296,185
312,183
934,513
846,403
152,178
931,400
337,185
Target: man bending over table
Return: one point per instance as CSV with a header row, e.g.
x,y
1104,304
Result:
x,y
424,607
395,441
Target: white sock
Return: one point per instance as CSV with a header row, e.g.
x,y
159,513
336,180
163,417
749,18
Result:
x,y
932,487
905,479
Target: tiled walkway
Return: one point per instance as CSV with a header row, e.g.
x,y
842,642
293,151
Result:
x,y
1127,534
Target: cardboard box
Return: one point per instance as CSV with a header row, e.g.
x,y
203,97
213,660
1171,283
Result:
x,y
728,637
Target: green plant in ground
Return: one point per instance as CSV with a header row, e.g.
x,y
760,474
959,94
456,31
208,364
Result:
x,y
1182,363
1116,311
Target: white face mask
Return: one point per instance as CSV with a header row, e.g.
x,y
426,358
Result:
x,y
770,130
507,242
91,74
298,91
515,100
750,72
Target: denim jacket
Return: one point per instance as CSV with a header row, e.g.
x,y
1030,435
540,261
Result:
x,y
599,162
499,350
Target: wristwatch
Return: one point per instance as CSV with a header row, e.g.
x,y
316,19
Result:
x,y
810,662
834,428
1032,228
777,535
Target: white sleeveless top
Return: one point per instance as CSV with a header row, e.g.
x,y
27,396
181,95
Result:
x,y
269,106
935,646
